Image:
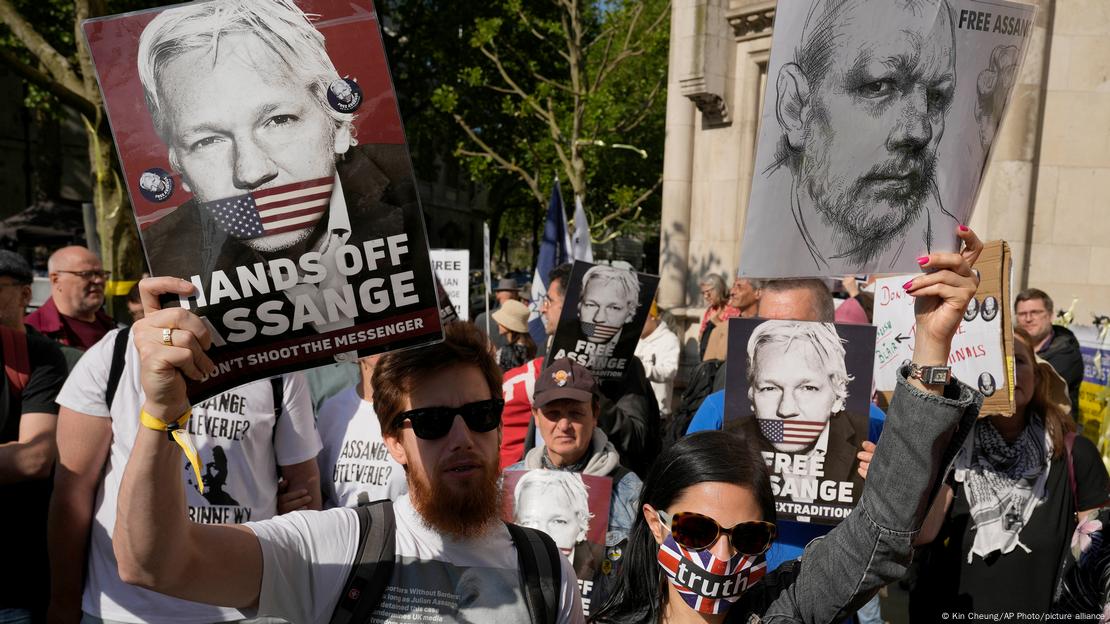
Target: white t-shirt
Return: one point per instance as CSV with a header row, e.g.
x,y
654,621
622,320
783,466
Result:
x,y
242,474
306,557
354,460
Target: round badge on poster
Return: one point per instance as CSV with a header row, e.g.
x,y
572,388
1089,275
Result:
x,y
344,95
156,184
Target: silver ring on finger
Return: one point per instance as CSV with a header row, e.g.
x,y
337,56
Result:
x,y
167,336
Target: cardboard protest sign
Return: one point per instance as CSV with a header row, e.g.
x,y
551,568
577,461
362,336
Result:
x,y
266,163
571,507
982,352
603,314
452,267
800,392
878,121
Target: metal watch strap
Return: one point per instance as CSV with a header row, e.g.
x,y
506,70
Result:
x,y
931,375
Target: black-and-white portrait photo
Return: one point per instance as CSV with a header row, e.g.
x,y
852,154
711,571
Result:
x,y
851,161
156,185
607,302
796,392
987,384
557,503
972,310
989,309
344,95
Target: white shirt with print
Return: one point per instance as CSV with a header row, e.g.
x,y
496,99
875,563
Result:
x,y
242,483
355,465
306,557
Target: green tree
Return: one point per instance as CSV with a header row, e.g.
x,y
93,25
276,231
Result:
x,y
41,40
568,88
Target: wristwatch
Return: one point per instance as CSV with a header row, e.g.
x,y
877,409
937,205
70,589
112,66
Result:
x,y
931,375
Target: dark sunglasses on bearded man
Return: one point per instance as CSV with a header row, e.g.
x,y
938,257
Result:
x,y
698,532
432,423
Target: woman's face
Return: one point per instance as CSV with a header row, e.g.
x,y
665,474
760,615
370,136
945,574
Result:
x,y
1025,375
710,296
727,503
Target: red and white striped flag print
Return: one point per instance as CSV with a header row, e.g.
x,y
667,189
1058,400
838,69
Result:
x,y
285,208
790,430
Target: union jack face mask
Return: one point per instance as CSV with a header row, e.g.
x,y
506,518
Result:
x,y
707,584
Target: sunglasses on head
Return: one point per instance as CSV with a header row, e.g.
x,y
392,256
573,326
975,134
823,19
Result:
x,y
432,423
698,532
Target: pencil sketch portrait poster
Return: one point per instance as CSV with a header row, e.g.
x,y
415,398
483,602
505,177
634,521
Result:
x,y
799,392
266,162
877,124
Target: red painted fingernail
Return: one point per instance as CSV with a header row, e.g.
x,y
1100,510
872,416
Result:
x,y
963,228
923,260
907,285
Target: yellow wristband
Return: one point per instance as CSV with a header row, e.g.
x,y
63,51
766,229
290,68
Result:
x,y
180,435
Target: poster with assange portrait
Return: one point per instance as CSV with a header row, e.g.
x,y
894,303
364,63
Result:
x,y
799,392
266,162
877,125
604,310
572,508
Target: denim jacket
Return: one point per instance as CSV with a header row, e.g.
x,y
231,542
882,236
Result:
x,y
839,573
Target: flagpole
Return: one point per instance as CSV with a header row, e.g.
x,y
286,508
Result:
x,y
485,269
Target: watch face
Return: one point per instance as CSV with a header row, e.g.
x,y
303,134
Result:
x,y
936,376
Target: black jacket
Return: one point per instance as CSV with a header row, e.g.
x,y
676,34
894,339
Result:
x,y
1062,352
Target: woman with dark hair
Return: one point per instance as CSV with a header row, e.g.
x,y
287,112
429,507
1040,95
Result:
x,y
1007,515
707,512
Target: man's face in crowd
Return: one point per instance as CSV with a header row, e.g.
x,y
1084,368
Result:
x,y
1033,316
14,299
791,383
73,294
871,125
742,296
552,306
605,303
549,510
453,480
243,123
567,428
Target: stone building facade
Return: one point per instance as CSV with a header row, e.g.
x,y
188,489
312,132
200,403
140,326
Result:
x,y
1047,190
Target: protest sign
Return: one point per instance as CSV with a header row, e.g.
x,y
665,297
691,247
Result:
x,y
801,392
452,267
878,121
1094,390
571,507
266,163
982,352
603,314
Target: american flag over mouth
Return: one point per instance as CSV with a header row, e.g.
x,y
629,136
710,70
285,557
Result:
x,y
712,575
274,210
600,333
790,430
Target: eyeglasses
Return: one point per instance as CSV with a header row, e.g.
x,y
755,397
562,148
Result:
x,y
432,423
698,532
1032,314
89,275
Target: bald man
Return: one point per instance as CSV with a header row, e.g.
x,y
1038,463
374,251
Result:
x,y
72,316
862,110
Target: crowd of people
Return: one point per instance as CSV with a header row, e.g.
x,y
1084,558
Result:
x,y
373,491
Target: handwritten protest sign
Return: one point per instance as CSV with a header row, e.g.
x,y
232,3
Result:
x,y
266,163
603,314
801,391
1094,390
983,347
452,267
878,122
572,508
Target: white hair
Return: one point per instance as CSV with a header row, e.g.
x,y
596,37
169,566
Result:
x,y
821,336
569,483
625,279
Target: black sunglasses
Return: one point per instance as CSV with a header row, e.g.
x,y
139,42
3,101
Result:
x,y
698,532
432,423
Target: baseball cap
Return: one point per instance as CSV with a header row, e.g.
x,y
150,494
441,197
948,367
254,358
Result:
x,y
564,379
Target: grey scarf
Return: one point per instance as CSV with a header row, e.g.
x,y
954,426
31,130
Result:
x,y
1003,483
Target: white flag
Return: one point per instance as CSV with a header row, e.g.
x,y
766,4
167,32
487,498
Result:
x,y
581,249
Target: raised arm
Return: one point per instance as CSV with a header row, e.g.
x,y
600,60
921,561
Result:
x,y
155,544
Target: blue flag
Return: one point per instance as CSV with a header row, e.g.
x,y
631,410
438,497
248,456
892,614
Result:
x,y
554,250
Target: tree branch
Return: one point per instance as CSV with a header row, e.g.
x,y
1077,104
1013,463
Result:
x,y
489,152
519,92
623,210
51,59
66,96
635,122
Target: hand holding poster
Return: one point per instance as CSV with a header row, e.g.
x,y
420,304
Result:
x,y
266,163
800,392
603,314
571,507
878,122
983,347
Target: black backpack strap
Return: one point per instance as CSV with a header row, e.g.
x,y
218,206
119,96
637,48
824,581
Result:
x,y
540,571
372,567
119,359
